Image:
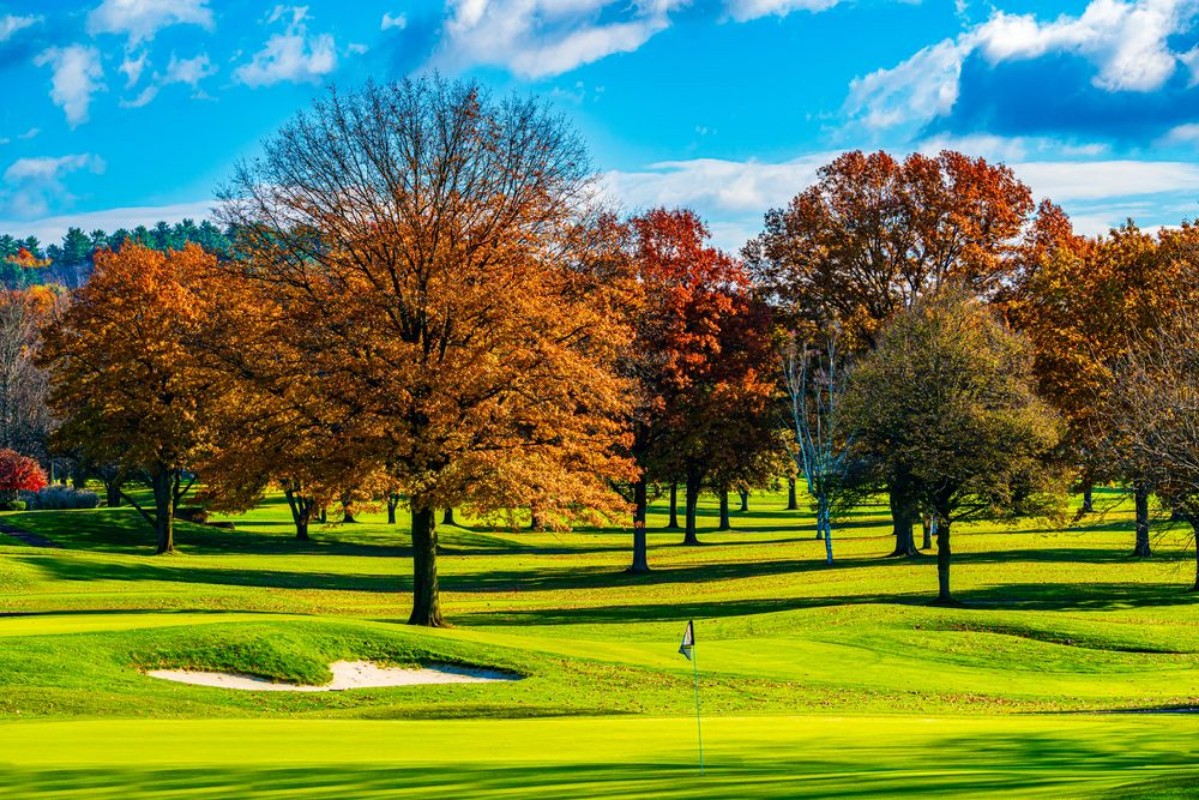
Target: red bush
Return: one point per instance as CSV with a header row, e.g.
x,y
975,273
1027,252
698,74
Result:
x,y
20,473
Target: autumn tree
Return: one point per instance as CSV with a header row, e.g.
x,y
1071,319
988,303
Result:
x,y
947,399
18,474
1152,415
1086,304
125,381
875,234
688,291
430,241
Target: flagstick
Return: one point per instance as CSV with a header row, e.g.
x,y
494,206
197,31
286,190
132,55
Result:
x,y
698,728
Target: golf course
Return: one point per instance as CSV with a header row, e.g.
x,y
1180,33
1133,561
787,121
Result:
x,y
1069,669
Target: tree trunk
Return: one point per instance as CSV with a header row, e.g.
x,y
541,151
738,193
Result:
x,y
393,502
347,514
1141,498
324,517
929,524
536,523
824,526
744,502
426,601
792,499
901,514
112,494
448,517
943,554
725,525
673,524
301,512
1088,500
692,502
164,511
640,555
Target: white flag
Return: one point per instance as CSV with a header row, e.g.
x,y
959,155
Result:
x,y
688,640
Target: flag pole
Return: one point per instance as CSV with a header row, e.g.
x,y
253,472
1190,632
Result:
x,y
699,731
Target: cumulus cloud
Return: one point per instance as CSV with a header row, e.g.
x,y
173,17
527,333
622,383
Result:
x,y
292,56
540,38
1127,45
33,184
11,24
76,76
140,20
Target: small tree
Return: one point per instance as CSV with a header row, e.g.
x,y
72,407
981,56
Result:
x,y
821,449
18,474
947,400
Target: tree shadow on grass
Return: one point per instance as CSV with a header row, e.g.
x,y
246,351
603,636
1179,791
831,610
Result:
x,y
70,569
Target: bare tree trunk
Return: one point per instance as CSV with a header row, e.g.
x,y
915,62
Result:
x,y
640,555
929,524
393,502
1088,499
744,502
673,524
724,511
112,494
792,499
536,523
448,517
426,599
692,502
824,526
1141,499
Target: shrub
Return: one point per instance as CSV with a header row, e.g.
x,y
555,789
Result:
x,y
58,497
12,505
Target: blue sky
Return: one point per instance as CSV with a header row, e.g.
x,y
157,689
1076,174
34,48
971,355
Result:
x,y
118,112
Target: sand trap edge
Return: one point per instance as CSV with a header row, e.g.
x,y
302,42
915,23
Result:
x,y
346,675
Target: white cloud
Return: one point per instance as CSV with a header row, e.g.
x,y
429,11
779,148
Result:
x,y
140,20
1126,41
33,184
189,71
745,10
1183,134
133,68
50,229
11,24
77,75
399,21
291,56
540,38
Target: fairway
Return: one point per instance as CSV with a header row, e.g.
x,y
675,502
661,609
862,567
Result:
x,y
816,681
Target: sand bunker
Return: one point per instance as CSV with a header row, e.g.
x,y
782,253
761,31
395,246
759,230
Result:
x,y
346,675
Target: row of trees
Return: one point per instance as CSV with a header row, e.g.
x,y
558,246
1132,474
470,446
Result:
x,y
426,304
24,262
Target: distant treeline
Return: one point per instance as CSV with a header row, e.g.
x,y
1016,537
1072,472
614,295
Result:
x,y
70,262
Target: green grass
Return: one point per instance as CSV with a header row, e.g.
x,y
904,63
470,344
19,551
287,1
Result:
x,y
816,681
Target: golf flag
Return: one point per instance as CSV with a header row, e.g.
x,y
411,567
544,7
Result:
x,y
688,640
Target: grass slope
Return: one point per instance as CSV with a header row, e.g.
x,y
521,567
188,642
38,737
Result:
x,y
816,680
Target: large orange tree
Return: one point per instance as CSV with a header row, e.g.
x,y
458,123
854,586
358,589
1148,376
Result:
x,y
430,244
125,379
